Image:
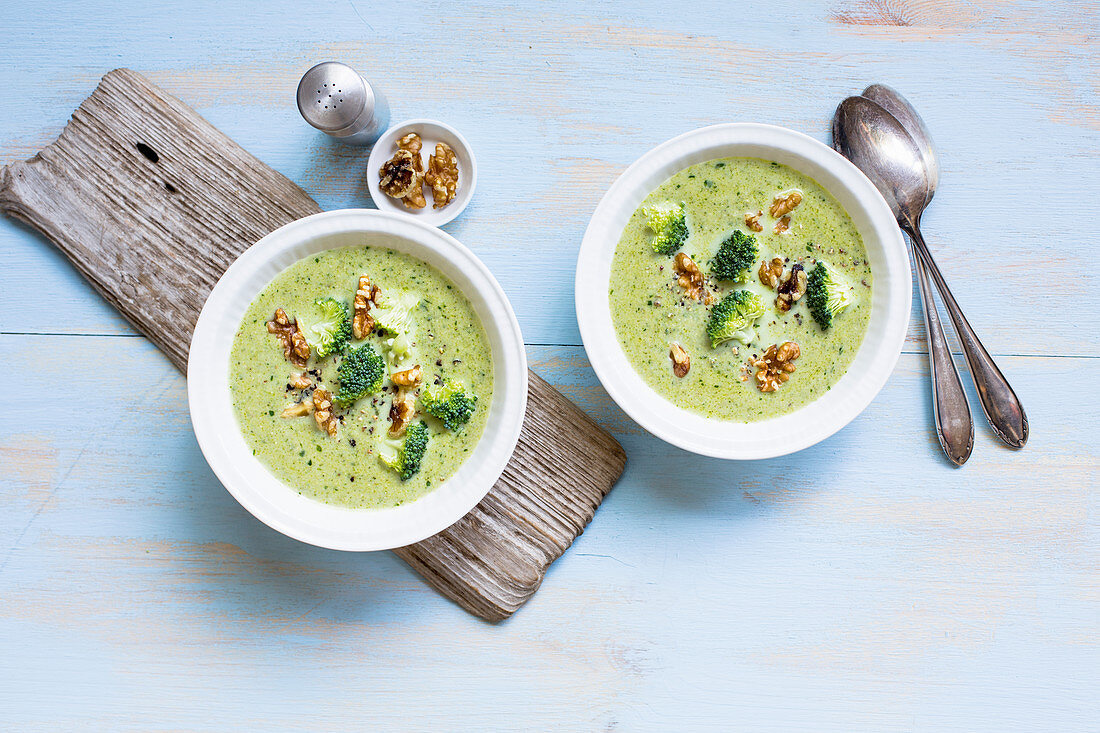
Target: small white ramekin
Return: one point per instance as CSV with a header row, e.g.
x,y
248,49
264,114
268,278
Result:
x,y
431,132
279,505
891,294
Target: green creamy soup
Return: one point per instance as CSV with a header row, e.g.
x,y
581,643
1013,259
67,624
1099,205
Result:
x,y
447,342
650,310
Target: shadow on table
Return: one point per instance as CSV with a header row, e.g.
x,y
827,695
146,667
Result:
x,y
256,571
678,482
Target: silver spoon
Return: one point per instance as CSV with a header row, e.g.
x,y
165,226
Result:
x,y
879,146
1001,406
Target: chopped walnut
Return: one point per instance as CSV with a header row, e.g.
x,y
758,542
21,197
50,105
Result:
x,y
298,409
681,362
322,411
295,347
775,366
752,221
412,144
770,272
398,176
301,382
408,378
782,225
691,278
442,175
785,203
792,286
362,322
415,200
402,411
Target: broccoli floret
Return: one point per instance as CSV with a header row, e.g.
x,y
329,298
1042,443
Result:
x,y
405,454
394,315
394,318
670,228
360,373
827,294
330,334
451,404
734,317
735,256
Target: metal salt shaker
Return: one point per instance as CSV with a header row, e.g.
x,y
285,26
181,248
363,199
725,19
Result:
x,y
335,99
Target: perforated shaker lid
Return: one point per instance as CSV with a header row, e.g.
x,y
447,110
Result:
x,y
335,99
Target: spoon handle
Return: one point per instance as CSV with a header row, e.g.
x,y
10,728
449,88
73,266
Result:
x,y
954,425
1001,406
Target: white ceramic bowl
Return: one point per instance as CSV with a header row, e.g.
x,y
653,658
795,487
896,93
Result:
x,y
431,132
877,355
279,505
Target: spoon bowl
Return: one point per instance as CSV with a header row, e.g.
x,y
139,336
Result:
x,y
873,139
898,106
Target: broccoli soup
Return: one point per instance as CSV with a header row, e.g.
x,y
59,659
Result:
x,y
361,377
740,289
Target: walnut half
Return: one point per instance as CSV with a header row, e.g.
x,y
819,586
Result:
x,y
402,411
408,378
785,203
770,272
792,286
775,366
752,221
295,347
398,176
691,278
412,144
322,411
681,362
442,175
298,409
362,323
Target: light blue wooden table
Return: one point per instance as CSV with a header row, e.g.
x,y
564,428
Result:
x,y
863,584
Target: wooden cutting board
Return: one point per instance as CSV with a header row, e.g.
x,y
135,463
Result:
x,y
151,204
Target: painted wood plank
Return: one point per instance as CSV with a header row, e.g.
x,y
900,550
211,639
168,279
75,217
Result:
x,y
862,584
530,105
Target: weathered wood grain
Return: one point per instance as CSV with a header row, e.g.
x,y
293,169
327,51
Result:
x,y
547,494
151,203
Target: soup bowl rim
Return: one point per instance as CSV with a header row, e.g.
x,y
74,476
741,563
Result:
x,y
878,352
280,505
